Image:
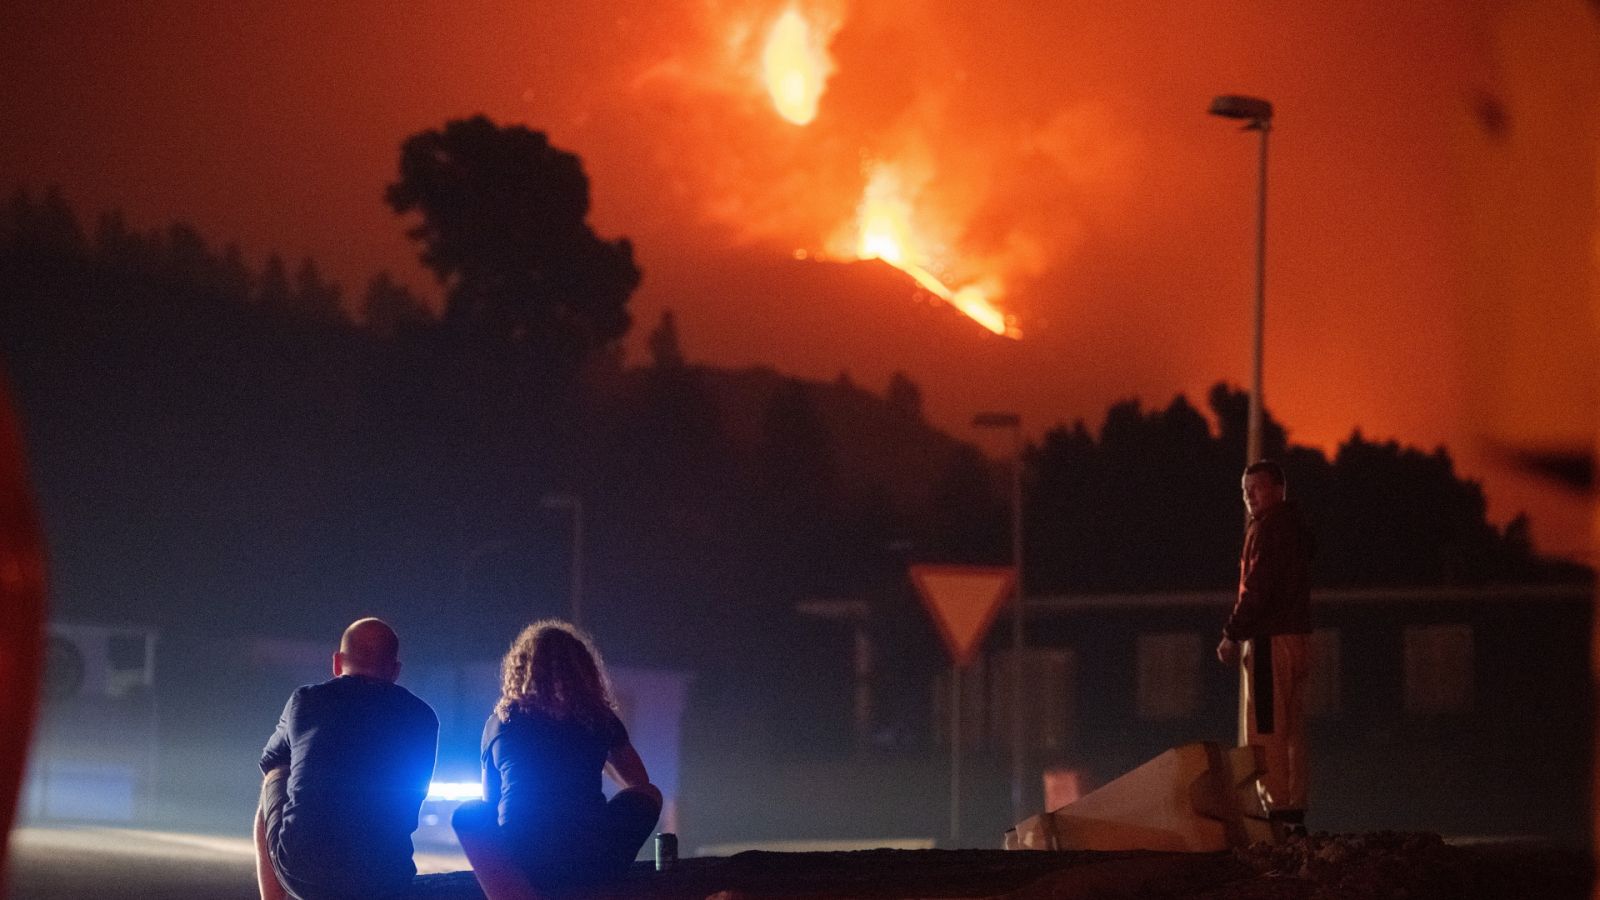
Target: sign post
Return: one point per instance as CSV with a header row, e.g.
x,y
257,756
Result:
x,y
962,601
955,756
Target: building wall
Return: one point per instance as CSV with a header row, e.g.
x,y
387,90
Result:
x,y
1461,712
1464,712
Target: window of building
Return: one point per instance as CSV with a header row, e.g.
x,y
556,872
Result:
x,y
1168,675
1438,669
1324,680
1049,690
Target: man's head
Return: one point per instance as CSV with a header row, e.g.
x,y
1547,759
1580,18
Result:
x,y
1263,486
369,647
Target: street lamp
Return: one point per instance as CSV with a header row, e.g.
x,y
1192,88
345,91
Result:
x,y
574,503
1013,422
1257,115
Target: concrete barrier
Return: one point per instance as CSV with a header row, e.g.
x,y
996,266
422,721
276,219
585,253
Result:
x,y
1194,798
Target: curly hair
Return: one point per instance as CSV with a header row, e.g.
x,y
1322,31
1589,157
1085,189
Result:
x,y
554,669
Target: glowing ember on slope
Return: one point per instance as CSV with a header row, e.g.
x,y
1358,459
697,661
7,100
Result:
x,y
795,66
884,231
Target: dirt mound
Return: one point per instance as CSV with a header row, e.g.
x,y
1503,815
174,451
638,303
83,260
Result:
x,y
1413,866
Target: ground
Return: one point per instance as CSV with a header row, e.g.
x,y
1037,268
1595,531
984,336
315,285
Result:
x,y
142,865
1323,867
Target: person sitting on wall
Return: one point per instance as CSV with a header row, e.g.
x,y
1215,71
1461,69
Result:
x,y
544,819
346,772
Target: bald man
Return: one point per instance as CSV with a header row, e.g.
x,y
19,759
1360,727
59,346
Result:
x,y
345,775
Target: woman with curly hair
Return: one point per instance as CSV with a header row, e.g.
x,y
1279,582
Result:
x,y
553,732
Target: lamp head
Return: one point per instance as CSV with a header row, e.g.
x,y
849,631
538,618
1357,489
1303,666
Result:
x,y
1238,106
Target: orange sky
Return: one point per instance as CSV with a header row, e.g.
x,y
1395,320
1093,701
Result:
x,y
1064,151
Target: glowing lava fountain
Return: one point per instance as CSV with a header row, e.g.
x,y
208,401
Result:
x,y
795,66
883,223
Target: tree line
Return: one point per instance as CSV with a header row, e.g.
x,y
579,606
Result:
x,y
220,446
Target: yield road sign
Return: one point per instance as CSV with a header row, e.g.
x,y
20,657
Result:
x,y
963,601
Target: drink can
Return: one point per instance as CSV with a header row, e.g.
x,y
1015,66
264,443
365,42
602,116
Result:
x,y
666,850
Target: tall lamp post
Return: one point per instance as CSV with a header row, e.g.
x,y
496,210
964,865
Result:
x,y
1257,115
1013,422
574,503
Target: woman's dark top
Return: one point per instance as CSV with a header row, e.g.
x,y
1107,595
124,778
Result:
x,y
543,774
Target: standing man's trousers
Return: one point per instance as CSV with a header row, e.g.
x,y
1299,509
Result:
x,y
1275,685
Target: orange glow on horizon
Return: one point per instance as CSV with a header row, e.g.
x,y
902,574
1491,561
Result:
x,y
795,66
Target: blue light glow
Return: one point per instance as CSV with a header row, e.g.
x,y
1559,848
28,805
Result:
x,y
455,790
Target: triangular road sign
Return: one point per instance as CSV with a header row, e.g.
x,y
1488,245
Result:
x,y
963,601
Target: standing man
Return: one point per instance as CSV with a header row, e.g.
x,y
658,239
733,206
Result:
x,y
1270,629
345,775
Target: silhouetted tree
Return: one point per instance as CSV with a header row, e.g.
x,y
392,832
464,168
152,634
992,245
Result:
x,y
1403,516
313,297
1232,410
234,280
1518,536
904,397
114,244
1153,503
389,309
503,227
45,236
188,259
273,291
1066,492
665,350
12,218
49,225
969,515
795,457
797,485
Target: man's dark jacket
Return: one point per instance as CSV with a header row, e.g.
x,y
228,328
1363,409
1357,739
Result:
x,y
1274,576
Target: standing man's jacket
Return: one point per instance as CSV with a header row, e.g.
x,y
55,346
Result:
x,y
1274,577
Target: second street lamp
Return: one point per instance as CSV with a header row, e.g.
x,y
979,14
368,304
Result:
x,y
1013,422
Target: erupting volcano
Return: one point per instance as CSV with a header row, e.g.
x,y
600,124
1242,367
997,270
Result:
x,y
795,66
